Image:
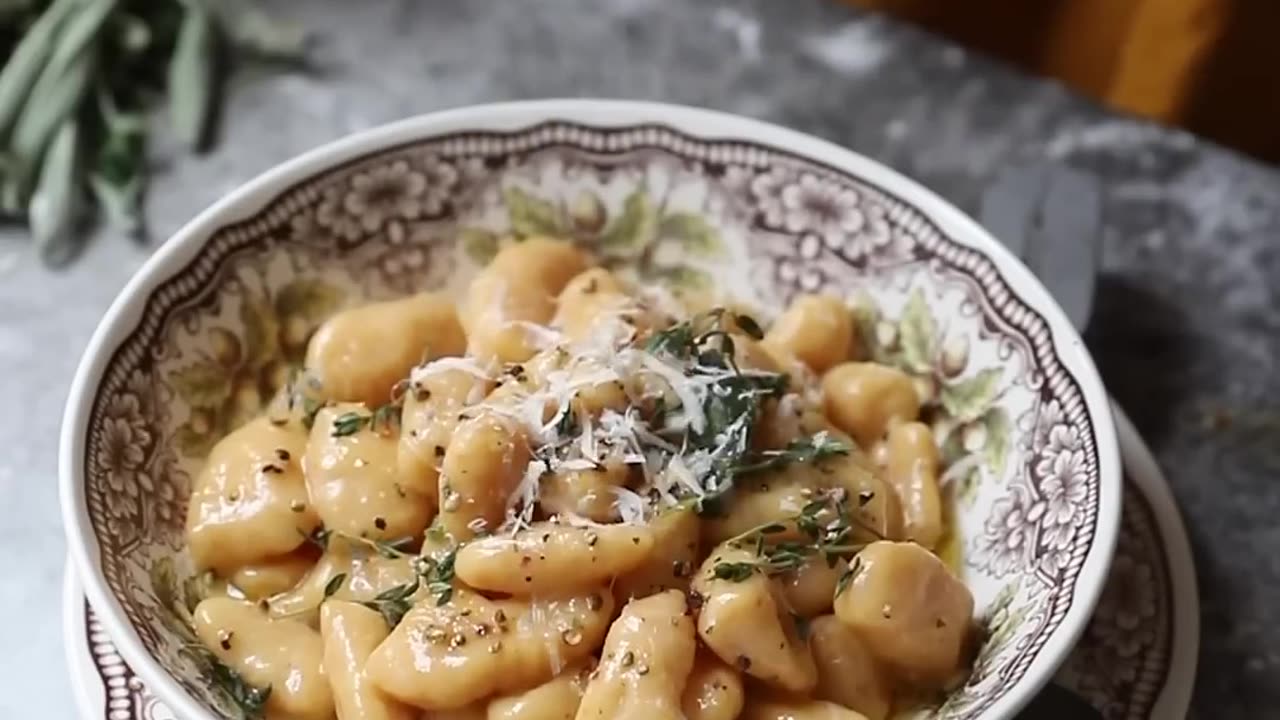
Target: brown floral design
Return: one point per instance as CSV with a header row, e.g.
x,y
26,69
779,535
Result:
x,y
757,223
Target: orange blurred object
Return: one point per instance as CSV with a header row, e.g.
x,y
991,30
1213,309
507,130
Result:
x,y
1207,65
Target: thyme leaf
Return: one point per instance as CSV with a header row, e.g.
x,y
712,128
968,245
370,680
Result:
x,y
394,602
249,699
813,448
824,523
334,585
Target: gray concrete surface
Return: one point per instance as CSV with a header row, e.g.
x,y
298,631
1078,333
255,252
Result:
x,y
1185,327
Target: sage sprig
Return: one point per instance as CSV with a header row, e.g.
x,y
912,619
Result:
x,y
79,79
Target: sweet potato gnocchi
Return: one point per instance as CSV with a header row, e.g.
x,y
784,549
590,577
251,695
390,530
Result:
x,y
567,498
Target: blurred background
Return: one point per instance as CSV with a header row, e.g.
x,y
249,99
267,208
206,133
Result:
x,y
1206,65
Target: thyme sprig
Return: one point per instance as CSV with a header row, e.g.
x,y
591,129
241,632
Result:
x,y
382,420
810,449
732,405
390,549
251,700
435,575
827,528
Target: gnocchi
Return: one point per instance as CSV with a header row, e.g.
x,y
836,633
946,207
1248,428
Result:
x,y
350,633
571,498
645,662
556,699
714,690
911,612
405,332
443,657
865,399
284,655
816,329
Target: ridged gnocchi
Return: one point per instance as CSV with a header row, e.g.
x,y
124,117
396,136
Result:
x,y
572,498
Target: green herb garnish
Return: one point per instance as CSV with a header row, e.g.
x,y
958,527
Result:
x,y
848,575
249,699
813,448
824,523
439,577
349,423
394,602
80,79
383,419
334,585
435,575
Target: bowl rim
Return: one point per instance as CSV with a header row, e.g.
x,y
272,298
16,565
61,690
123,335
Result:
x,y
174,254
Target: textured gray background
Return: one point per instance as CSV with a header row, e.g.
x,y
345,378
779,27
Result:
x,y
1184,329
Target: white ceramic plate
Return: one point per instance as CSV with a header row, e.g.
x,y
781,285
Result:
x,y
1136,660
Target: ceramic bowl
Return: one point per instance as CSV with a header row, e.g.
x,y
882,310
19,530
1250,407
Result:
x,y
690,198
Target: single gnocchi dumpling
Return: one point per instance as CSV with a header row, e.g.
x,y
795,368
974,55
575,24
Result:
x,y
556,699
848,675
484,463
810,588
772,651
866,399
428,420
284,655
350,633
593,302
352,478
509,301
585,492
447,656
405,332
274,575
816,329
645,663
250,503
670,563
552,557
768,497
912,613
364,572
912,472
714,690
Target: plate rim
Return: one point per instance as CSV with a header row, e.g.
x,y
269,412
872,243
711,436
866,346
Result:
x,y
1174,697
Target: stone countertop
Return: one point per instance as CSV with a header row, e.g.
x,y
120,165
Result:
x,y
1184,327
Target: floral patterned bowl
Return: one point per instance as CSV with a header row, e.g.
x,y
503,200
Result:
x,y
694,199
